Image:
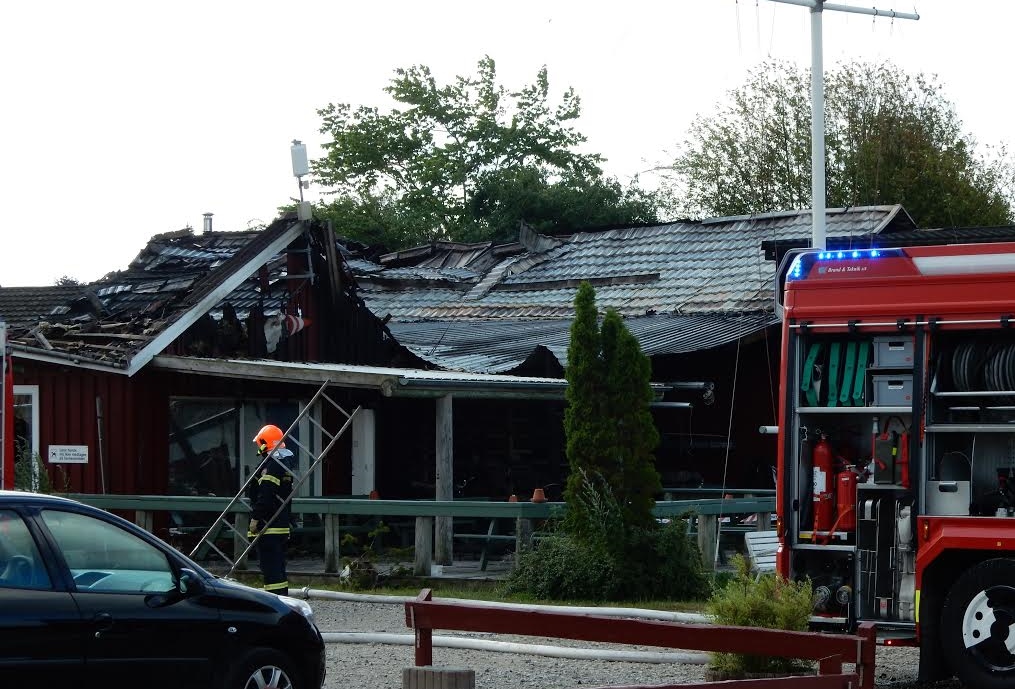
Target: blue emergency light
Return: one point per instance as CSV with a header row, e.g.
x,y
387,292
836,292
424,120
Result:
x,y
803,261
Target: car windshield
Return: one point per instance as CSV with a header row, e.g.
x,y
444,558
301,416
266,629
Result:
x,y
104,557
20,563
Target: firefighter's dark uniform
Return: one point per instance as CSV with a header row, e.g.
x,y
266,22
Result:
x,y
272,489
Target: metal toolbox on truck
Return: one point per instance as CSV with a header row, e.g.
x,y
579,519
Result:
x,y
892,390
893,352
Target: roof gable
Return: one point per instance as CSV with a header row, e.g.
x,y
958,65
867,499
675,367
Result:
x,y
178,278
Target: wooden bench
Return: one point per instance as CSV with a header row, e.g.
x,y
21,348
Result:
x,y
761,549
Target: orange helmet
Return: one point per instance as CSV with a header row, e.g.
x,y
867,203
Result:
x,y
268,438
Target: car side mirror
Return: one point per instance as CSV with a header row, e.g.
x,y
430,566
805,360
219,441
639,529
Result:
x,y
189,583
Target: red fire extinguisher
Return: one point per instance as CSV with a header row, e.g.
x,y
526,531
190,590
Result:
x,y
824,500
845,496
903,460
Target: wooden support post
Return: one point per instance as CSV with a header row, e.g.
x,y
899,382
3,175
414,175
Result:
x,y
438,678
240,538
423,655
764,519
444,537
708,525
145,519
865,665
523,537
424,546
332,540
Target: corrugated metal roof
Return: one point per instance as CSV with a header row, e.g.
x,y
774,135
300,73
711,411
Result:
x,y
500,346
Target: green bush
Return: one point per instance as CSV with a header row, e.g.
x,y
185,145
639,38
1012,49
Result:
x,y
600,558
768,601
23,478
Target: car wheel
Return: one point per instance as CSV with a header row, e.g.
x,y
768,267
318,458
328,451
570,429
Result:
x,y
264,668
978,625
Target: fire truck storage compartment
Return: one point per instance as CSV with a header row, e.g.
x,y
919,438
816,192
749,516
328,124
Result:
x,y
856,371
879,569
971,424
831,571
858,413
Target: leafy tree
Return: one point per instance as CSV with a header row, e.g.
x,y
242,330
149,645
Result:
x,y
505,198
465,161
890,137
67,281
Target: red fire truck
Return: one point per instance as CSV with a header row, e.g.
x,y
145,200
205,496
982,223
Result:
x,y
896,493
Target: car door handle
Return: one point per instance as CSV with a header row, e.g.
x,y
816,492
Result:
x,y
102,622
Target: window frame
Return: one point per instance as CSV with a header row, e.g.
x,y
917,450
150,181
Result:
x,y
32,391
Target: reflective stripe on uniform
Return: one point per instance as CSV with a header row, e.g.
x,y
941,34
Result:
x,y
268,477
275,587
277,531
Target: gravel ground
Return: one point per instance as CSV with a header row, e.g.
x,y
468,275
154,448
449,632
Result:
x,y
379,666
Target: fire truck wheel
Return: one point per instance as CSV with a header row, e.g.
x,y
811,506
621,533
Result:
x,y
978,625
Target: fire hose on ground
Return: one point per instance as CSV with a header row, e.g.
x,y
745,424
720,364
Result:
x,y
465,643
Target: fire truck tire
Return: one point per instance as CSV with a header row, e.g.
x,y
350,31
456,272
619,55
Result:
x,y
978,626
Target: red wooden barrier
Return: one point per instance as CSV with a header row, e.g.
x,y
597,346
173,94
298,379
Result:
x,y
847,681
830,651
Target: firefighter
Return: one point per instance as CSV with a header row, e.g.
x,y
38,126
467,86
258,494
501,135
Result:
x,y
270,491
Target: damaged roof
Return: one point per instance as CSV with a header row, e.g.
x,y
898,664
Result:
x,y
681,286
479,308
20,305
124,319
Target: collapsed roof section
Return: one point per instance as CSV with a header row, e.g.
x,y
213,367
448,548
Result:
x,y
681,286
478,308
121,321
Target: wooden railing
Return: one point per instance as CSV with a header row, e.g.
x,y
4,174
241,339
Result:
x,y
423,615
706,521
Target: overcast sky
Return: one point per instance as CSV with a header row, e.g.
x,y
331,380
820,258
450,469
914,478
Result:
x,y
122,120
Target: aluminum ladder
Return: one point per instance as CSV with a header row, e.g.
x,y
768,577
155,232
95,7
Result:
x,y
223,522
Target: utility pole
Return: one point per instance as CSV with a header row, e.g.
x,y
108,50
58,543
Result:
x,y
818,103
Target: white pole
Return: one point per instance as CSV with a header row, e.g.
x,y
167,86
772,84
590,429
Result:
x,y
817,131
872,11
818,104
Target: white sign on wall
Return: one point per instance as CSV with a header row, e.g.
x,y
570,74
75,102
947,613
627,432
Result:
x,y
68,454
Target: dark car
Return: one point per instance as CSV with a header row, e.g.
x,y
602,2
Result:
x,y
89,599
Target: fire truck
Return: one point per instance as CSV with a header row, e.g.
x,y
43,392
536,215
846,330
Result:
x,y
896,453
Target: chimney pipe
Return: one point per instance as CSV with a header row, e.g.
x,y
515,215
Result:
x,y
207,221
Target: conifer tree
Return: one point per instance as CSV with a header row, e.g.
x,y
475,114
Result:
x,y
582,425
609,429
628,375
